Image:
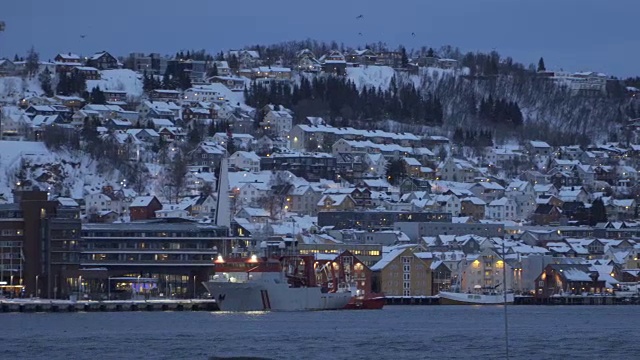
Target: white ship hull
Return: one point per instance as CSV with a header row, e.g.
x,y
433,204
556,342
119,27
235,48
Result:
x,y
451,298
268,296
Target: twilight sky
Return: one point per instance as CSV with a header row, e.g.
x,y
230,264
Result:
x,y
574,35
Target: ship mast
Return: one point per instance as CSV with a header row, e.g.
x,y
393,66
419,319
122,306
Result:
x,y
504,293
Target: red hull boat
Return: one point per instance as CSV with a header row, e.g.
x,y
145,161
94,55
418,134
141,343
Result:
x,y
368,302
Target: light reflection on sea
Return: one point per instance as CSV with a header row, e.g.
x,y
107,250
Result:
x,y
397,332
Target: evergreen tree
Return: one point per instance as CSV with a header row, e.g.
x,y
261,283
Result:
x,y
213,71
32,64
63,86
458,136
46,82
231,146
233,63
97,96
598,212
184,81
404,59
396,171
541,66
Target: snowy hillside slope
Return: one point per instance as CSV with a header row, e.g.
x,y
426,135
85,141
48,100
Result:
x,y
371,76
542,102
62,173
14,88
118,80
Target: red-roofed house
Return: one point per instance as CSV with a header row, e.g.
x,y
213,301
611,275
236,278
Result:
x,y
144,208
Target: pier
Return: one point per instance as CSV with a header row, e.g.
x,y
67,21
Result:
x,y
525,300
46,305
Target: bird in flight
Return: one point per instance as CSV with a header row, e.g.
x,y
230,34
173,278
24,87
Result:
x,y
360,16
413,34
83,36
360,33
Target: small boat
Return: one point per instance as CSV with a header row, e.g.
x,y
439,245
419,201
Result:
x,y
366,302
480,296
360,300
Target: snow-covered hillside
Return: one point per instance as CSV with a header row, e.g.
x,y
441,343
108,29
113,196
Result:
x,y
61,172
120,80
14,88
371,76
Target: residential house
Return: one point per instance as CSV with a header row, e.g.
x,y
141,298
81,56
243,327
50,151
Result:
x,y
232,83
246,58
501,209
88,72
303,200
172,133
307,62
162,95
568,279
207,154
7,67
310,166
254,215
401,272
334,62
103,60
458,170
204,207
485,271
144,208
278,122
240,140
159,110
546,214
539,148
412,166
336,202
197,181
621,209
245,160
389,58
362,57
473,207
487,191
522,192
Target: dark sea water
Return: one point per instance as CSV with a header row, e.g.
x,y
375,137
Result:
x,y
396,332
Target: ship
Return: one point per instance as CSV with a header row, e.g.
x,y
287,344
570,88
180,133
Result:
x,y
481,296
269,284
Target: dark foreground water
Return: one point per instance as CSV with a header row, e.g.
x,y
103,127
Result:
x,y
397,332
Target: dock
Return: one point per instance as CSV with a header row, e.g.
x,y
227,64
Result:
x,y
525,300
47,305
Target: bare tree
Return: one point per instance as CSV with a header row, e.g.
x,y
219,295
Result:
x,y
174,180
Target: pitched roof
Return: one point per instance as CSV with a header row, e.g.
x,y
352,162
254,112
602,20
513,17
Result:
x,y
142,201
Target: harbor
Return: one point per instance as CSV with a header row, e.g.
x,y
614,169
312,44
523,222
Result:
x,y
46,305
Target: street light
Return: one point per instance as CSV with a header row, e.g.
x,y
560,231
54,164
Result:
x,y
109,288
194,286
138,290
37,290
79,285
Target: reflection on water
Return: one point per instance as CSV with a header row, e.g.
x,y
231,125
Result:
x,y
396,332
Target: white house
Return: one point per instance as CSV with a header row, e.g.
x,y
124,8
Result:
x,y
245,160
277,122
196,181
501,209
206,93
525,197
